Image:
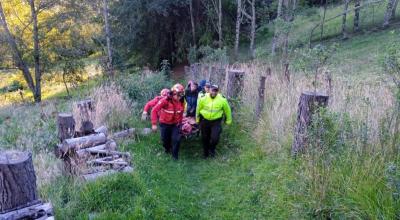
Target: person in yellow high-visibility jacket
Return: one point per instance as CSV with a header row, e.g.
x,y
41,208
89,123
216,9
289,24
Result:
x,y
210,111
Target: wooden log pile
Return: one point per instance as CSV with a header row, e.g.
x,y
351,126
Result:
x,y
18,194
92,153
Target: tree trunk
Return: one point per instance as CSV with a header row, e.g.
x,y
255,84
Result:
x,y
275,39
235,83
66,126
309,104
389,12
17,181
65,84
396,2
357,15
323,19
279,12
37,95
253,29
17,55
220,23
108,39
192,22
346,6
260,99
238,22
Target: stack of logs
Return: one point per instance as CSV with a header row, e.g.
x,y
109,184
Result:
x,y
90,153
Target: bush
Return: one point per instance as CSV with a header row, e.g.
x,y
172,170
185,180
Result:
x,y
140,88
210,55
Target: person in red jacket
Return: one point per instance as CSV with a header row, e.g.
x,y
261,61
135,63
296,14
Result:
x,y
150,104
170,111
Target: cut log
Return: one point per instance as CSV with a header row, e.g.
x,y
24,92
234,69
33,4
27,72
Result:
x,y
309,105
100,161
125,133
111,145
94,176
83,142
38,211
17,181
102,129
110,153
66,126
235,84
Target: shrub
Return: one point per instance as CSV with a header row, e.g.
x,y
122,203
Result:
x,y
142,87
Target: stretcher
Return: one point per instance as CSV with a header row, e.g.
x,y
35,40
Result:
x,y
189,127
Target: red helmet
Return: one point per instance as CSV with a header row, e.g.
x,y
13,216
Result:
x,y
178,88
164,92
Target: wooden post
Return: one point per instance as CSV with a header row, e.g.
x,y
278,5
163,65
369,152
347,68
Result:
x,y
235,83
66,126
17,181
260,99
309,104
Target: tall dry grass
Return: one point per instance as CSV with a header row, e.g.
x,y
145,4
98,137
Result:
x,y
110,108
33,128
367,100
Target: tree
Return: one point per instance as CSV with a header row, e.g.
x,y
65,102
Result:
x,y
36,53
18,56
192,22
357,9
390,12
107,32
237,29
251,18
217,6
282,26
345,11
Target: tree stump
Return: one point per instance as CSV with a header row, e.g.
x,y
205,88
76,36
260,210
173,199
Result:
x,y
66,126
235,83
17,181
260,99
85,109
309,104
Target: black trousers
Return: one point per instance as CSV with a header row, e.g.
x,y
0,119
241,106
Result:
x,y
210,133
171,138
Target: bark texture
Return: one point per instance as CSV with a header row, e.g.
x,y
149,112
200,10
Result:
x,y
66,126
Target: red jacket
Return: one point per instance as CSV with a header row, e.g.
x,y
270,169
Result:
x,y
150,104
169,111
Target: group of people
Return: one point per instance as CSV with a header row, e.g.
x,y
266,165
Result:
x,y
201,101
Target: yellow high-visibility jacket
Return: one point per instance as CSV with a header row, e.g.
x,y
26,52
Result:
x,y
213,108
